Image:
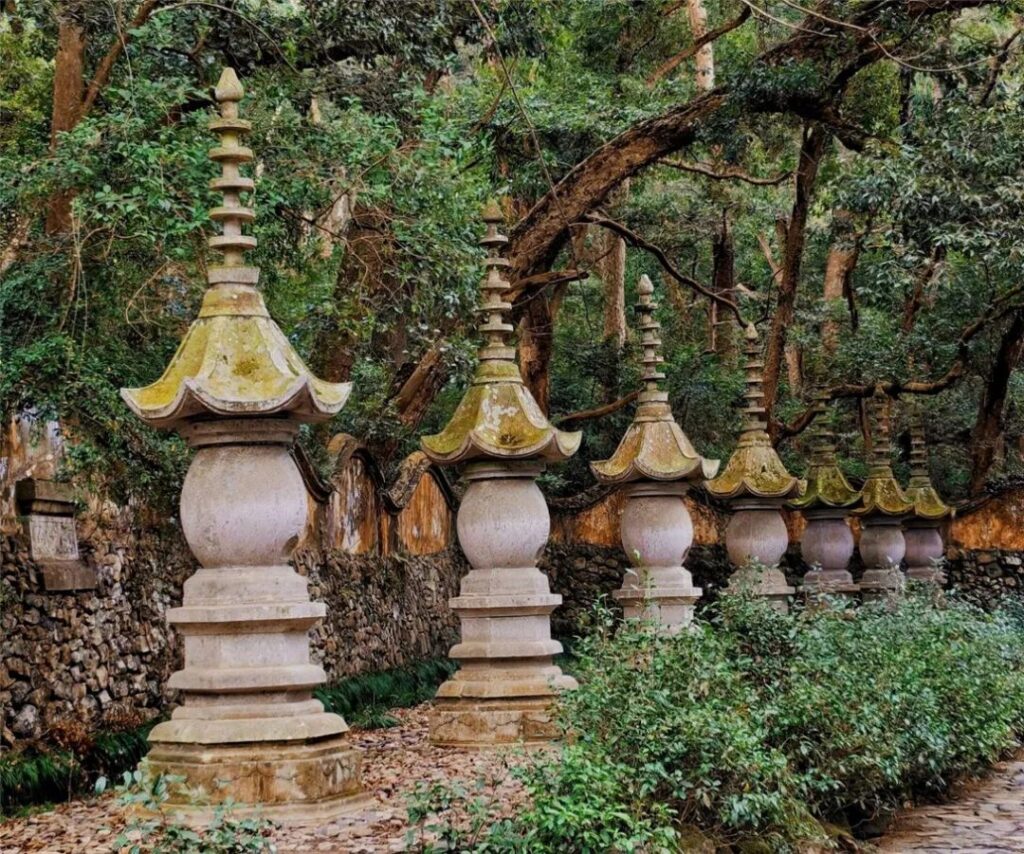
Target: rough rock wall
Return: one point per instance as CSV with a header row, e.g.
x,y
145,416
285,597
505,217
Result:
x,y
88,654
986,576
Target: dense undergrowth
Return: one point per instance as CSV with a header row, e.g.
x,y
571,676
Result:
x,y
71,759
758,728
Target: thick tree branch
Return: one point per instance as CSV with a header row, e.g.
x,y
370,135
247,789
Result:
x,y
729,173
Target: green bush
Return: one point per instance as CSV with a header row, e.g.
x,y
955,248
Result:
x,y
768,727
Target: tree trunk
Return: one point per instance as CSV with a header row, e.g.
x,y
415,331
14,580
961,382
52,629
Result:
x,y
839,266
613,283
811,151
705,58
536,343
723,281
68,91
988,427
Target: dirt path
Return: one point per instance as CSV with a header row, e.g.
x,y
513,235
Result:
x,y
396,760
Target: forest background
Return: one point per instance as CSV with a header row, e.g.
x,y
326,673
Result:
x,y
845,174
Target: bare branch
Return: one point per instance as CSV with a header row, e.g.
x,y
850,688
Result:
x,y
634,239
598,411
673,62
729,173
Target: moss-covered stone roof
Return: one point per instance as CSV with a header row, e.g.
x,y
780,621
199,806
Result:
x,y
498,418
920,491
234,360
654,446
825,485
881,494
754,469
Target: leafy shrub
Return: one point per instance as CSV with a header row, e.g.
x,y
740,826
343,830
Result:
x,y
763,726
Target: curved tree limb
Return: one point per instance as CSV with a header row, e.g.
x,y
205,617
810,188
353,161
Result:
x,y
729,173
673,62
634,239
598,411
1000,308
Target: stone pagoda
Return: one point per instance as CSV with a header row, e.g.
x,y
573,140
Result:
x,y
923,530
248,729
825,500
882,509
503,692
757,485
660,465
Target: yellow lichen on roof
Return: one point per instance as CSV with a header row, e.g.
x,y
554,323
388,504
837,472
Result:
x,y
234,360
754,469
498,418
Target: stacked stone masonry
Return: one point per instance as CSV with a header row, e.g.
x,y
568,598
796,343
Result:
x,y
383,558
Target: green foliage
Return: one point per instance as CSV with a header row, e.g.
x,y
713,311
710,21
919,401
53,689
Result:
x,y
151,831
365,699
761,726
41,773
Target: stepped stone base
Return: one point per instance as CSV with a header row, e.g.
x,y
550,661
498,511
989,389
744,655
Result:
x,y
296,783
484,724
877,584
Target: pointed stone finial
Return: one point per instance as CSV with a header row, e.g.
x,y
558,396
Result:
x,y
881,494
231,213
494,308
920,490
756,417
755,468
229,87
650,341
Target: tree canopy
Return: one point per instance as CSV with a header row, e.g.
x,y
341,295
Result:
x,y
844,175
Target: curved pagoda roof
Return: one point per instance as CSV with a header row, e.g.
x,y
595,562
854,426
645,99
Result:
x,y
920,491
825,485
654,446
881,494
754,470
498,418
234,361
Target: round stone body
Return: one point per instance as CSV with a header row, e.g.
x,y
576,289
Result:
x,y
827,547
925,550
248,714
882,548
657,533
503,691
756,538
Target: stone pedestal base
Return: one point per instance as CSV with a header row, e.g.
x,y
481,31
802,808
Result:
x,y
756,539
507,683
283,782
505,722
656,535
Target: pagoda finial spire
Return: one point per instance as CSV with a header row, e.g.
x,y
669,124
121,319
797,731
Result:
x,y
650,342
494,308
230,154
756,419
918,447
881,452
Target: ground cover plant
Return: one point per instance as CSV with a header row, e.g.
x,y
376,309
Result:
x,y
779,730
